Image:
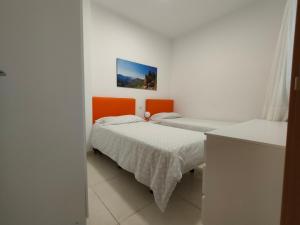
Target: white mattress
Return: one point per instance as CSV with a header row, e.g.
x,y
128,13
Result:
x,y
194,124
157,155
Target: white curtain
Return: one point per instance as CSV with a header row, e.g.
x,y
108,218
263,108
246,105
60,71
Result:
x,y
278,91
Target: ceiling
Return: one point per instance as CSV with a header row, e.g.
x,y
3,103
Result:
x,y
173,18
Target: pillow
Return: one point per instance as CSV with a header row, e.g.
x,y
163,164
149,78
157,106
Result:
x,y
114,120
165,115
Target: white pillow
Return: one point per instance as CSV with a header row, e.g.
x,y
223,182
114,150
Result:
x,y
114,120
165,115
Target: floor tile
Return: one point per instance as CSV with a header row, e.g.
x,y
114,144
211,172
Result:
x,y
101,168
123,196
130,202
190,187
98,214
178,212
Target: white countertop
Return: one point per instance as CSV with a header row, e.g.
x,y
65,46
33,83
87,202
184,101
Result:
x,y
259,131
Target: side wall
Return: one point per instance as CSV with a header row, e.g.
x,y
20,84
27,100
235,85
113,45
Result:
x,y
87,33
42,157
221,71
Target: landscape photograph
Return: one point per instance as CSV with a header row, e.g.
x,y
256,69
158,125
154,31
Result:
x,y
136,75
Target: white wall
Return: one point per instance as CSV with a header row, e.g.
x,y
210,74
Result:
x,y
221,71
114,37
87,44
42,157
217,72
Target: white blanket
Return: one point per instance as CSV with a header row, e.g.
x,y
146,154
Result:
x,y
194,124
157,155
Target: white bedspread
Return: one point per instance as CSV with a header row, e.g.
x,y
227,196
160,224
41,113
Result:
x,y
157,155
194,124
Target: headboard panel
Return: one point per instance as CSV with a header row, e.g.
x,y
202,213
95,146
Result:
x,y
106,106
159,105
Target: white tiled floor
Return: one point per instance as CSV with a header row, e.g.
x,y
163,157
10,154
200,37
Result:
x,y
115,197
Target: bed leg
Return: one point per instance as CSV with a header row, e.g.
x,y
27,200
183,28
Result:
x,y
192,171
96,151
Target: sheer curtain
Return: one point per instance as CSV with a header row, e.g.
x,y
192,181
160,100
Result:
x,y
278,91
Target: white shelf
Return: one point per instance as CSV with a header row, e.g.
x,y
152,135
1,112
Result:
x,y
259,131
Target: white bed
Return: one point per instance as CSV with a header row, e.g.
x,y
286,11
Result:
x,y
192,124
162,112
157,155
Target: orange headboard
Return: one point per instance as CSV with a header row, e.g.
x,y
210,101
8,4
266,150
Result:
x,y
105,106
159,105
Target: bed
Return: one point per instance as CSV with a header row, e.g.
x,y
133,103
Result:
x,y
162,112
157,155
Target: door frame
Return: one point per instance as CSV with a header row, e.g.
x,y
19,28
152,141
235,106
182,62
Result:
x,y
290,214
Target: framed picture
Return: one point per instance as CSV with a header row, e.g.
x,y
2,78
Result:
x,y
136,75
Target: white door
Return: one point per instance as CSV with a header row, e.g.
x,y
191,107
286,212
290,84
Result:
x,y
42,164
